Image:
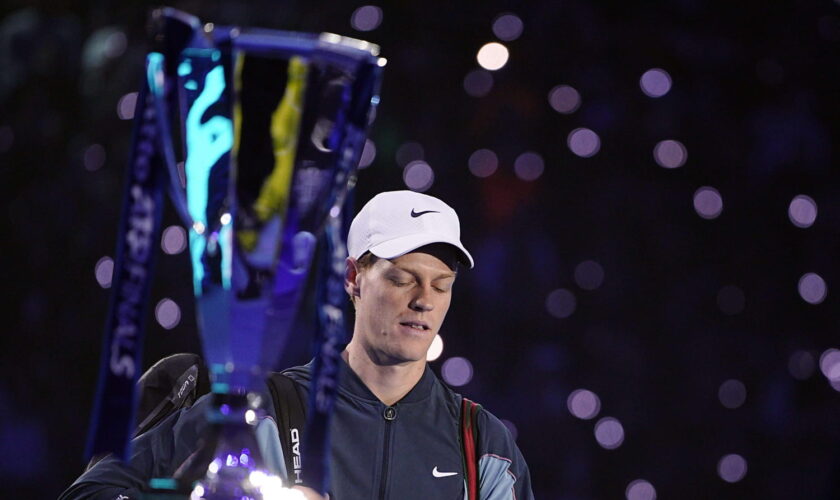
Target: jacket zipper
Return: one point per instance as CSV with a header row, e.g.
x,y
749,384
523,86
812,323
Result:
x,y
388,429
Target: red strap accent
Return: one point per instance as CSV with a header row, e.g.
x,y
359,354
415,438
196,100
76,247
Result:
x,y
468,413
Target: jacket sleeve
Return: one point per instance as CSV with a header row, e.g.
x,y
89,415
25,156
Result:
x,y
502,471
156,453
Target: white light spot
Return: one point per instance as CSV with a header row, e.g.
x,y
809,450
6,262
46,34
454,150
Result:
x,y
732,394
507,27
732,468
483,163
655,82
435,349
478,83
830,364
707,202
529,166
366,18
335,211
418,176
492,56
368,154
126,106
408,152
583,404
812,288
561,303
197,492
670,154
198,227
174,240
801,365
564,99
640,489
802,211
609,433
584,142
167,313
457,371
589,275
104,271
250,418
94,157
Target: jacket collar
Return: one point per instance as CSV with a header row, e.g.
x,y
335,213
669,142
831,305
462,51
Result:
x,y
351,385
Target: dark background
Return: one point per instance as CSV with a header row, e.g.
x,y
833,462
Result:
x,y
686,303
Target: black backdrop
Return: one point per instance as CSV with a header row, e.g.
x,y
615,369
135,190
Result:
x,y
685,304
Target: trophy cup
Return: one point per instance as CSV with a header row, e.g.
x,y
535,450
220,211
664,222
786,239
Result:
x,y
271,126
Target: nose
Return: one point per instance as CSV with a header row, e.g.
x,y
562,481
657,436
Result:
x,y
422,300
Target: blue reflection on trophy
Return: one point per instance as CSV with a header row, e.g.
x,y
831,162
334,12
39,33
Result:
x,y
272,125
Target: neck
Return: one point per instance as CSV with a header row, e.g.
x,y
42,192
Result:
x,y
389,383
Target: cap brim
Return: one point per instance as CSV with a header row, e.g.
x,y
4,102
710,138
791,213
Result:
x,y
404,244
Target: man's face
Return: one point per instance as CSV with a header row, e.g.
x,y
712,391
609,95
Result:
x,y
400,306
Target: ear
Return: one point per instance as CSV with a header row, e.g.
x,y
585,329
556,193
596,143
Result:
x,y
351,275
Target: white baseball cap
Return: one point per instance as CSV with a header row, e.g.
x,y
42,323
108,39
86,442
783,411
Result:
x,y
395,223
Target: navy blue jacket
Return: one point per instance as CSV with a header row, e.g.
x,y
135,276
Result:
x,y
412,456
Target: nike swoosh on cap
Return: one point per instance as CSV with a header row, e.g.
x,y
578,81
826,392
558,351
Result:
x,y
437,473
423,212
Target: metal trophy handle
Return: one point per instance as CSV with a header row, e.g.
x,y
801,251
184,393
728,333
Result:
x,y
271,126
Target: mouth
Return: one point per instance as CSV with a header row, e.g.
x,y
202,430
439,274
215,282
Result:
x,y
416,325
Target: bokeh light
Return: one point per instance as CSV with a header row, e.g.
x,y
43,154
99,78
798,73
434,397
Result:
x,y
167,313
730,300
104,271
589,275
708,202
640,489
732,394
507,27
368,154
126,106
609,433
670,154
830,364
564,99
801,365
812,288
732,468
483,163
529,166
561,303
457,371
584,142
366,18
418,176
478,83
94,157
583,404
802,211
492,56
409,152
655,82
173,240
435,349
